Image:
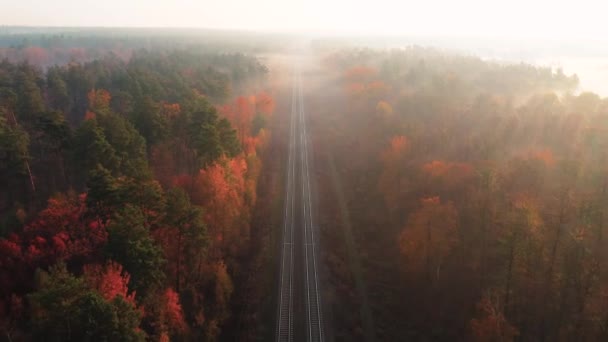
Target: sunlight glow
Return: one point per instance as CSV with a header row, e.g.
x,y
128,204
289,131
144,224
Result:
x,y
518,18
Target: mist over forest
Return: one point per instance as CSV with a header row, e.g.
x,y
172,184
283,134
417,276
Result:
x,y
184,184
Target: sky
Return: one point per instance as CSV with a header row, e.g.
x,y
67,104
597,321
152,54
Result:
x,y
555,19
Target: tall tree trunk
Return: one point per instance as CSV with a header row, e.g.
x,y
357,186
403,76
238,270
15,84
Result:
x,y
510,273
428,252
27,163
179,258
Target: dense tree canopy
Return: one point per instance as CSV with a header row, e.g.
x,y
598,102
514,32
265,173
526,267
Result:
x,y
106,205
476,192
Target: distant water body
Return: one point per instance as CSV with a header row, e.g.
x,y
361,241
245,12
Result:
x,y
592,72
586,58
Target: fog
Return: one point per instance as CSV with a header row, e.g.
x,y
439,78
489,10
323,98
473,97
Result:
x,y
558,34
299,170
519,18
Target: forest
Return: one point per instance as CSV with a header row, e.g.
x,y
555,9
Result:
x,y
144,187
471,197
129,189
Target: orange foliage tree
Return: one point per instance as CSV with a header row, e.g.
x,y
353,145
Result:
x,y
242,111
429,236
220,189
170,110
99,99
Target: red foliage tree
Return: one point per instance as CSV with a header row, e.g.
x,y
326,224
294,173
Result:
x,y
62,231
89,115
173,311
165,315
110,280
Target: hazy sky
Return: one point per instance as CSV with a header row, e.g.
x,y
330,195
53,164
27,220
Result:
x,y
535,18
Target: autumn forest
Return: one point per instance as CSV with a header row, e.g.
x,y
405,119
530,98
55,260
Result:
x,y
148,180
128,190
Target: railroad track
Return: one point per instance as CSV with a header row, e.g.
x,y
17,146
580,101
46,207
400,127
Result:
x,y
299,314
